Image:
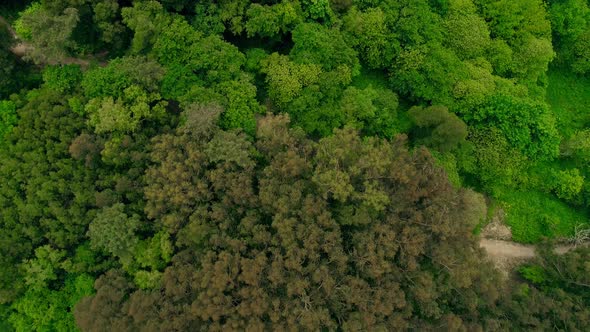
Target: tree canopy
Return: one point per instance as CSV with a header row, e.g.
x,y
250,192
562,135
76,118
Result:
x,y
172,165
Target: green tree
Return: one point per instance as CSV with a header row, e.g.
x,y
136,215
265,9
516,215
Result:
x,y
318,10
512,21
43,269
581,50
62,78
126,113
467,33
113,231
50,34
241,106
50,310
124,95
556,294
107,19
570,22
526,28
427,72
372,111
207,18
286,79
568,184
120,74
444,130
145,18
577,146
316,44
492,159
369,35
8,117
45,196
529,126
268,21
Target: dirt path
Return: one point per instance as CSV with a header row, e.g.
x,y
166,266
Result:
x,y
508,255
508,249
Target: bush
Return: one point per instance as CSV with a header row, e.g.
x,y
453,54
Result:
x,y
62,78
568,184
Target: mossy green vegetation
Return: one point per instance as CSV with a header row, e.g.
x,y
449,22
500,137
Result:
x,y
568,94
534,215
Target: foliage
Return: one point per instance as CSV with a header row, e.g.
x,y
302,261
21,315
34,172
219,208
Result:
x,y
240,107
22,30
268,21
315,44
8,117
287,79
309,227
42,270
533,274
492,159
238,165
558,296
367,33
46,195
371,110
446,130
120,74
143,18
50,35
62,78
49,310
533,215
577,146
528,126
567,94
126,113
113,231
570,22
569,184
124,94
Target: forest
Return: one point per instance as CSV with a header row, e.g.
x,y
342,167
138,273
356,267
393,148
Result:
x,y
292,165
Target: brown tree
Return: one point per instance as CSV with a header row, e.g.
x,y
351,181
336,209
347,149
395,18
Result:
x,y
288,233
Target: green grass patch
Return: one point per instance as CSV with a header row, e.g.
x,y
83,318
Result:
x,y
533,215
569,97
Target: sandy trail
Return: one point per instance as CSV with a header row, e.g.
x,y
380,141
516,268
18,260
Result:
x,y
508,249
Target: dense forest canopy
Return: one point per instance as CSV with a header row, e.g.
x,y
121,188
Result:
x,y
178,165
